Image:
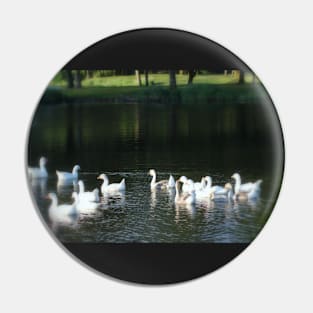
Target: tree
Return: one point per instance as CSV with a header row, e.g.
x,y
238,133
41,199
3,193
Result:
x,y
172,75
146,78
138,77
69,78
191,75
241,77
77,79
89,73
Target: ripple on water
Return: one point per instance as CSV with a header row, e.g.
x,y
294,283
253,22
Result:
x,y
140,215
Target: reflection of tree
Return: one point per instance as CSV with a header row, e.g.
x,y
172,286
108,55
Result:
x,y
78,126
172,122
69,128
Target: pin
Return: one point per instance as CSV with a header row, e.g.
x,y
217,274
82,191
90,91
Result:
x,y
155,156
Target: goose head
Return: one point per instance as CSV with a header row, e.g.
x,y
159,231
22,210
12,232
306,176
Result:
x,y
152,172
76,168
236,176
102,177
228,186
183,179
42,161
208,180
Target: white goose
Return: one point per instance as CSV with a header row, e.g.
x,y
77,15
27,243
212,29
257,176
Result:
x,y
83,205
91,196
162,184
247,190
200,185
186,197
223,193
64,212
186,187
66,176
111,188
39,172
208,190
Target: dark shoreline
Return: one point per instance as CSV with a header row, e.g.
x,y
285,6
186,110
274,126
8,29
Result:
x,y
184,95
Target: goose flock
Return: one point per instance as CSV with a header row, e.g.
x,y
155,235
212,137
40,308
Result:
x,y
187,192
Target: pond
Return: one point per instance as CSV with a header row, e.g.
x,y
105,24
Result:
x,y
125,140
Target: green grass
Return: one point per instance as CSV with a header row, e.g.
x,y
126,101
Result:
x,y
154,79
125,88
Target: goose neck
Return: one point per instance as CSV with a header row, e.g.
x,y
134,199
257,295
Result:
x,y
54,201
81,187
237,184
153,178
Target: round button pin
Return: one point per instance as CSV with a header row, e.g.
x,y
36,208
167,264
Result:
x,y
155,156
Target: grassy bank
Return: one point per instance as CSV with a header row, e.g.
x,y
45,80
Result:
x,y
205,88
154,80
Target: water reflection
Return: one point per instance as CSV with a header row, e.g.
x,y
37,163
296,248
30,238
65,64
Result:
x,y
188,209
150,216
39,187
67,186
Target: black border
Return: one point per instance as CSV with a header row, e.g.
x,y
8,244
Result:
x,y
155,263
156,48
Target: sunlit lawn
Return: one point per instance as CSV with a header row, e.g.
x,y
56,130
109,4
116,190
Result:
x,y
155,80
203,86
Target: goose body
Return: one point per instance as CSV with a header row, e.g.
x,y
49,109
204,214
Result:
x,y
200,185
67,176
91,196
162,184
247,187
185,197
253,194
83,205
39,172
222,193
247,190
63,212
208,190
111,188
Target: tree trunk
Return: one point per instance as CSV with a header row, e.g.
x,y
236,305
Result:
x,y
77,79
138,77
146,78
172,79
89,73
191,75
241,77
69,78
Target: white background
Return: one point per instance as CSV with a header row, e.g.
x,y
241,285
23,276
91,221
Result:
x,y
274,38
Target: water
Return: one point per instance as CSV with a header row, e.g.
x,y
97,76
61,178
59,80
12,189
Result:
x,y
126,140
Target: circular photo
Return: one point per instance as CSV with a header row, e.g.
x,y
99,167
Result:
x,y
155,156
